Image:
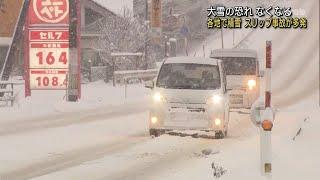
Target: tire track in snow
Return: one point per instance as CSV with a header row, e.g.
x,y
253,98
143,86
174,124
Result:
x,y
140,169
72,158
55,121
145,170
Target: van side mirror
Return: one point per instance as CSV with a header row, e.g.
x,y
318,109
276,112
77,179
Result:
x,y
149,84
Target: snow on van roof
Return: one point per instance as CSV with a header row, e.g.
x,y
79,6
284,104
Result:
x,y
191,60
233,53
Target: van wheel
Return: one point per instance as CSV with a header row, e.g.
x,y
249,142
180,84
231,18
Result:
x,y
227,118
154,132
220,134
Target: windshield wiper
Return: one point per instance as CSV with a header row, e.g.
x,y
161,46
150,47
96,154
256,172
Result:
x,y
182,87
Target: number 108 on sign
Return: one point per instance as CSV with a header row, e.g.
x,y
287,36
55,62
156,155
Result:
x,y
48,79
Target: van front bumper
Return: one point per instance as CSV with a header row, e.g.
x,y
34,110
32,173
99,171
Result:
x,y
178,116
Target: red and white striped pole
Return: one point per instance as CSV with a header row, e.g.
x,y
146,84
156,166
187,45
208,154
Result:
x,y
267,119
268,74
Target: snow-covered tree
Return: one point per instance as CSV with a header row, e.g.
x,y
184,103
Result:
x,y
121,34
2,6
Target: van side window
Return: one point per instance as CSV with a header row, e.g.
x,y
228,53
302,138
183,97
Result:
x,y
224,77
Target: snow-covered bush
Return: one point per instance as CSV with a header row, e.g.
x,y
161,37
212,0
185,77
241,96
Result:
x,y
121,34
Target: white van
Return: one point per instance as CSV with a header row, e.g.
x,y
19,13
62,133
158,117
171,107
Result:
x,y
242,74
189,93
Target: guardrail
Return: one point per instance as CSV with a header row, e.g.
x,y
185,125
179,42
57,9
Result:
x,y
124,76
7,91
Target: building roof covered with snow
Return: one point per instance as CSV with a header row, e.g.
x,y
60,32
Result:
x,y
116,6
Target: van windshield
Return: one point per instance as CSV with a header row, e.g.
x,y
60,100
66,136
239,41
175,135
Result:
x,y
239,65
189,76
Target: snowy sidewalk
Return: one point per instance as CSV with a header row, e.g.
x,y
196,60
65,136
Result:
x,y
95,96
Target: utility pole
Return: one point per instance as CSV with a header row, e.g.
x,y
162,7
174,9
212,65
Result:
x,y
74,85
222,45
173,47
233,37
146,35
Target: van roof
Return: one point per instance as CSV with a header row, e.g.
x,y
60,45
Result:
x,y
233,53
191,60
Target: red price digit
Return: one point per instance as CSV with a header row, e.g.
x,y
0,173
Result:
x,y
45,81
63,58
50,59
40,56
65,82
39,81
55,81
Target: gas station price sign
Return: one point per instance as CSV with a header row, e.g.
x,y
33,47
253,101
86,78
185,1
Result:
x,y
48,44
48,79
48,58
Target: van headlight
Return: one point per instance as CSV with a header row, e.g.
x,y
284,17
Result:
x,y
251,84
215,99
217,122
157,97
154,120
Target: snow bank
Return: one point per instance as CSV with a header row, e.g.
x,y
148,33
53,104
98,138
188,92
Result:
x,y
94,95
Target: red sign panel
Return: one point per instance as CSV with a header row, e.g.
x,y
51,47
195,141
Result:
x,y
49,55
49,35
45,79
48,46
49,12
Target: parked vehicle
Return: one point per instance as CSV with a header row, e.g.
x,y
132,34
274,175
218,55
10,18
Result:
x,y
189,93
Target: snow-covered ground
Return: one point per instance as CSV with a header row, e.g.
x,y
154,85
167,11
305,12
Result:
x,y
95,95
104,136
171,157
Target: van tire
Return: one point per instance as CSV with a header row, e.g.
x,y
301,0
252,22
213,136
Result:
x,y
220,135
154,132
226,126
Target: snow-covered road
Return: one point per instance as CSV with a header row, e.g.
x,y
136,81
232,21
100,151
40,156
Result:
x,y
65,119
137,156
26,154
119,145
